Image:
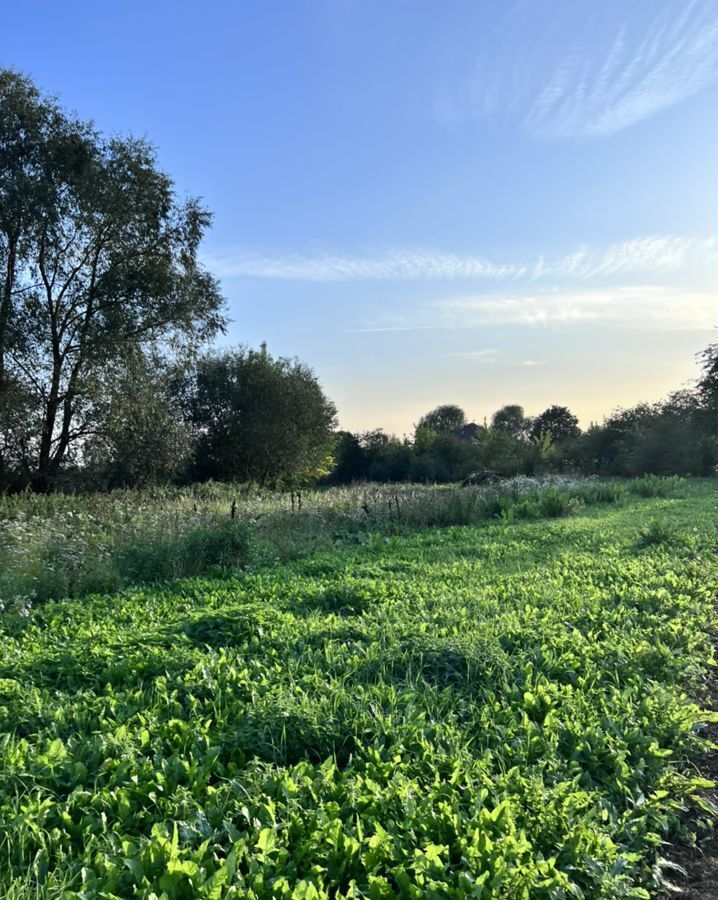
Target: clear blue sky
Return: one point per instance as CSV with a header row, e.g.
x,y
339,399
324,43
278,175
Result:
x,y
473,201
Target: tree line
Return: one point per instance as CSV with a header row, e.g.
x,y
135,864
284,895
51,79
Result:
x,y
678,435
105,380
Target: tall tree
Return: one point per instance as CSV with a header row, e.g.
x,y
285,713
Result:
x,y
511,420
97,258
708,383
141,436
260,419
444,419
558,421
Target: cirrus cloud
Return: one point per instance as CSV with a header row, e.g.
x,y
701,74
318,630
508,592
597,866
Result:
x,y
589,95
617,64
647,307
655,253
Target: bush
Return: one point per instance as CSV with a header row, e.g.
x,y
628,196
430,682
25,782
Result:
x,y
603,492
555,504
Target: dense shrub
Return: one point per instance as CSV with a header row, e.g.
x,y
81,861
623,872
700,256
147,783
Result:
x,y
656,486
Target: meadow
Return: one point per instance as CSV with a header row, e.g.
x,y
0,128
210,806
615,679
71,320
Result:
x,y
59,545
390,692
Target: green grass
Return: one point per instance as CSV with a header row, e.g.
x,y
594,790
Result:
x,y
499,711
54,546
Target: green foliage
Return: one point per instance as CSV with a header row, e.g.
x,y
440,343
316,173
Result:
x,y
141,438
708,382
673,437
556,504
539,452
97,257
260,419
70,547
496,711
655,533
226,545
512,421
54,546
558,421
657,486
445,419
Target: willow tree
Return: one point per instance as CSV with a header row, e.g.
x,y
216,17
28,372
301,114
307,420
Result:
x,y
98,261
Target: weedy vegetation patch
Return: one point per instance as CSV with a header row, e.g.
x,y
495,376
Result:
x,y
499,708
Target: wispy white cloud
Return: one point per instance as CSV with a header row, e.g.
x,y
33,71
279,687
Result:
x,y
398,265
591,96
641,255
582,70
488,355
533,362
648,307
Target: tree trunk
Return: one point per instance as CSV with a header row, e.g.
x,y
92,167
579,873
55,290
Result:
x,y
5,309
6,303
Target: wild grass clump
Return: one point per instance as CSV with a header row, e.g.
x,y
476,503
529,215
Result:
x,y
657,533
208,549
603,492
549,504
658,486
72,555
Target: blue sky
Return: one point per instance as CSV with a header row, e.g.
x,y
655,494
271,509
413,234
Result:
x,y
473,201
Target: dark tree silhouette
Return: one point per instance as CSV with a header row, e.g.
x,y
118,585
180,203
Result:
x,y
558,421
444,419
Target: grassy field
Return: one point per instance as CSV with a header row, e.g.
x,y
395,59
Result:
x,y
496,710
54,545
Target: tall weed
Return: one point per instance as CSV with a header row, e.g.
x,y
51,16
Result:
x,y
58,545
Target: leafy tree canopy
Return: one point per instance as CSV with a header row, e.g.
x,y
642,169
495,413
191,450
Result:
x,y
97,258
141,436
260,419
708,382
558,421
511,420
443,420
